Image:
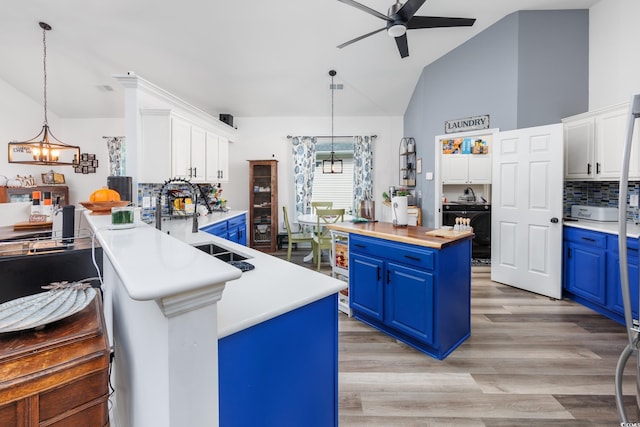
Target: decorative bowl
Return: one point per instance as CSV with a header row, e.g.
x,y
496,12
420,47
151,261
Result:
x,y
103,208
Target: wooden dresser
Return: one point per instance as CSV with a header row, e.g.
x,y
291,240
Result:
x,y
58,376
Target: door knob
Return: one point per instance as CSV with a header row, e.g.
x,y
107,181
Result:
x,y
554,220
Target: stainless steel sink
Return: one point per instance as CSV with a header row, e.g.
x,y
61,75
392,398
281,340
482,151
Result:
x,y
221,253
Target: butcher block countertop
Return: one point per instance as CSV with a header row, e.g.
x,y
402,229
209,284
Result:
x,y
421,236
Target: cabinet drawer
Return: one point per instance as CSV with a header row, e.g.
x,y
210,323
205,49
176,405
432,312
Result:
x,y
219,229
632,244
585,237
237,221
72,395
400,252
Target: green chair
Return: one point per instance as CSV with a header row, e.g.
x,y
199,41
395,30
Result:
x,y
320,205
322,237
298,237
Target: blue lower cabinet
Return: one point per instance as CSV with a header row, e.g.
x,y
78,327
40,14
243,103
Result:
x,y
592,271
282,372
219,229
411,292
234,229
238,230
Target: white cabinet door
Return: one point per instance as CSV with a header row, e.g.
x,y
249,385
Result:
x,y
223,158
455,168
611,131
198,154
217,158
579,149
180,148
479,169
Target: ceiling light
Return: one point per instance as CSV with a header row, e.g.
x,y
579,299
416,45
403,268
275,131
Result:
x,y
47,150
332,165
396,30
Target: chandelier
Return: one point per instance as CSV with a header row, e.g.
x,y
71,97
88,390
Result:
x,y
44,148
332,165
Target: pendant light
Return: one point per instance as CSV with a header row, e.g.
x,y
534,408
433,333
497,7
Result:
x,y
332,165
44,148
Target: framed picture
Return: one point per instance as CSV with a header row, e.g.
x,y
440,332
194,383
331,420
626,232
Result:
x,y
50,178
419,165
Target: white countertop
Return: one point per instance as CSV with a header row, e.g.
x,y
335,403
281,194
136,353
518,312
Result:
x,y
154,264
633,230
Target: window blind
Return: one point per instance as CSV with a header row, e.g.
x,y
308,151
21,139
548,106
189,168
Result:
x,y
337,187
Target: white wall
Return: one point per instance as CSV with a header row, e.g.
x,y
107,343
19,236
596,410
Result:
x,y
21,119
263,138
614,63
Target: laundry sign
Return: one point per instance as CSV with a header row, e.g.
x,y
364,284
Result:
x,y
466,124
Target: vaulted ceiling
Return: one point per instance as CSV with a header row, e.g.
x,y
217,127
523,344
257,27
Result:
x,y
246,58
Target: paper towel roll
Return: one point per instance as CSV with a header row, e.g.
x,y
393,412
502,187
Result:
x,y
399,210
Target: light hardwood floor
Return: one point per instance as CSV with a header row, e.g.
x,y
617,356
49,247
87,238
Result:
x,y
530,361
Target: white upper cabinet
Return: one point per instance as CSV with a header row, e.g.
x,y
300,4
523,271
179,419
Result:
x,y
188,150
466,169
594,144
174,147
217,158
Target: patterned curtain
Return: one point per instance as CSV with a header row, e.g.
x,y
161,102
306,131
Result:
x,y
304,155
362,170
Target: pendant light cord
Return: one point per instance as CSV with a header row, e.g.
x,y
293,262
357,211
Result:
x,y
333,88
44,66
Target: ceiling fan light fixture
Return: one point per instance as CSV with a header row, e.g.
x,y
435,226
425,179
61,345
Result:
x,y
396,30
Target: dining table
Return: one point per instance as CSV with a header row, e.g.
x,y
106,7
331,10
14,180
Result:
x,y
312,220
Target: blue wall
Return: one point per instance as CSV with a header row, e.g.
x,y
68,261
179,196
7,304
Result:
x,y
528,69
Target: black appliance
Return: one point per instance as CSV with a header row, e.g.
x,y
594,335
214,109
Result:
x,y
123,185
480,215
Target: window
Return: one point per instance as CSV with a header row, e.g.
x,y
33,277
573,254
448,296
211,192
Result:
x,y
336,187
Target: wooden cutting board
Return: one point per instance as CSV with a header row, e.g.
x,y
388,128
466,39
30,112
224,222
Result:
x,y
32,225
447,234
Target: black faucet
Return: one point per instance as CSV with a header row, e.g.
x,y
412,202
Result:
x,y
194,228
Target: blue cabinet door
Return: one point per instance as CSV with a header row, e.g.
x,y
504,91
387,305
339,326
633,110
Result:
x,y
409,301
614,292
238,229
585,273
366,285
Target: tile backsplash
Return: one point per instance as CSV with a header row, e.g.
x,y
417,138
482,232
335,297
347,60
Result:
x,y
598,193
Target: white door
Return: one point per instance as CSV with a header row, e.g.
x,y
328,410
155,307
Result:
x,y
526,222
180,148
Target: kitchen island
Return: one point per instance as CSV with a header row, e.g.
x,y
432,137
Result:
x,y
413,283
185,321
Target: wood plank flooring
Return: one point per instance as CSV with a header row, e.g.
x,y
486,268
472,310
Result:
x,y
530,361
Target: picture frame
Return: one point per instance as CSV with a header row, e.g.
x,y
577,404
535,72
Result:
x,y
419,165
52,178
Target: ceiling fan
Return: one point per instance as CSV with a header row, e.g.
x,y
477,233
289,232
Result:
x,y
400,18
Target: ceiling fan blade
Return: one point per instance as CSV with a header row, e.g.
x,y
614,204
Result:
x,y
365,9
360,38
409,9
403,46
438,22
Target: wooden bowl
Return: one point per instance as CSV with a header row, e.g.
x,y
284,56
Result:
x,y
103,208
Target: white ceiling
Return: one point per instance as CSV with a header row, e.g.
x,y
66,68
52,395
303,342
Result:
x,y
245,58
